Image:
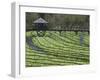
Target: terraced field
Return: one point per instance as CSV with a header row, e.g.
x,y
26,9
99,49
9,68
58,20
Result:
x,y
56,49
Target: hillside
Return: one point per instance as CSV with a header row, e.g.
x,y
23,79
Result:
x,y
56,49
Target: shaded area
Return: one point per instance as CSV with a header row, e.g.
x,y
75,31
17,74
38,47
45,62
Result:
x,y
68,22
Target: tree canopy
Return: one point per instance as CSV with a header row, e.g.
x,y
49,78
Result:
x,y
59,21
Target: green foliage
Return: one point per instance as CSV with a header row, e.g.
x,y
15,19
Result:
x,y
58,21
55,49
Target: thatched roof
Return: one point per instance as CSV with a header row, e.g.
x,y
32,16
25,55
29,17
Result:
x,y
40,20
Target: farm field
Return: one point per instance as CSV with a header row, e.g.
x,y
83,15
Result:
x,y
55,49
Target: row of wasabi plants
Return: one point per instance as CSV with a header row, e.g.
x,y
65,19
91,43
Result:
x,y
55,49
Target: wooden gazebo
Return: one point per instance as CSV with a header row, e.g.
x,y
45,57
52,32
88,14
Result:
x,y
40,26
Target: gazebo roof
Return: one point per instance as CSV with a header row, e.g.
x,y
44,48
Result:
x,y
40,20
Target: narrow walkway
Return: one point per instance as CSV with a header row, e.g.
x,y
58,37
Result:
x,y
34,47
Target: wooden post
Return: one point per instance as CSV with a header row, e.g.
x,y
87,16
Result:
x,y
76,32
88,32
60,33
81,38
